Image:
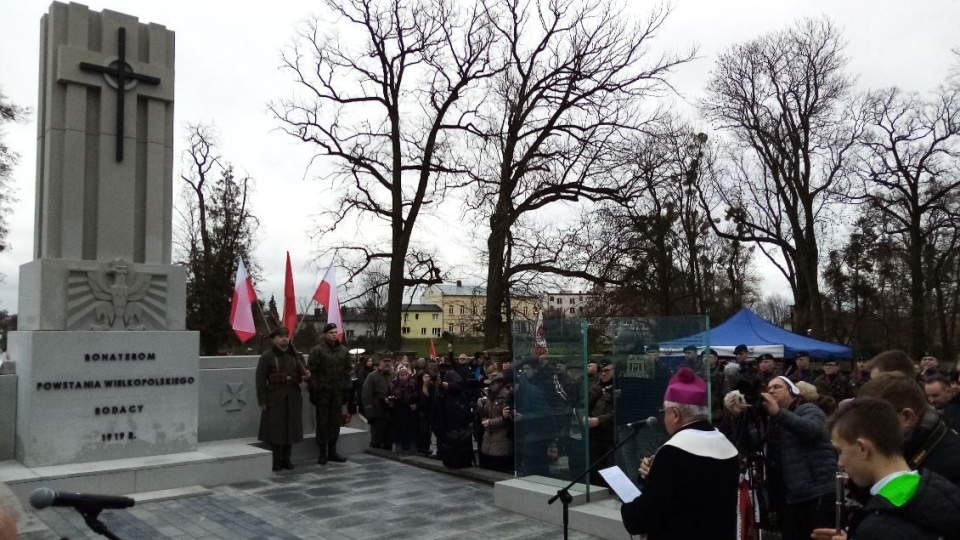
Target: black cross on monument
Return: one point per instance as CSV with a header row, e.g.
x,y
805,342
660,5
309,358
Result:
x,y
123,74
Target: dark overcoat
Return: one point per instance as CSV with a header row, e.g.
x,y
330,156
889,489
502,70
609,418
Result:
x,y
279,374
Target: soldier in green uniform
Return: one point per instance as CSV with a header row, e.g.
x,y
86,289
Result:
x,y
833,383
329,363
600,421
279,374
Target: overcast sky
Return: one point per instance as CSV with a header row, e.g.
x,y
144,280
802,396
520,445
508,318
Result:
x,y
227,70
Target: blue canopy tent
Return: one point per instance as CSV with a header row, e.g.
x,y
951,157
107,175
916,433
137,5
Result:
x,y
760,337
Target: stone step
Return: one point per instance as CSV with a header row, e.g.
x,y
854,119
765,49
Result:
x,y
215,463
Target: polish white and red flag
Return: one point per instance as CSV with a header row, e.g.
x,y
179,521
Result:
x,y
539,338
327,297
241,311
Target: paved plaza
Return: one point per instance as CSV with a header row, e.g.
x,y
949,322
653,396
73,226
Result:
x,y
367,498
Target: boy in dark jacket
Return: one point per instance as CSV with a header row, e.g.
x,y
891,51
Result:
x,y
905,504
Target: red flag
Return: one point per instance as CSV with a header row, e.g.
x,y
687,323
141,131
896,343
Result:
x,y
327,297
289,301
433,351
241,314
539,338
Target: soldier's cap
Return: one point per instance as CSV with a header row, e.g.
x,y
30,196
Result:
x,y
801,354
280,330
328,327
603,363
830,360
766,356
740,349
690,348
711,352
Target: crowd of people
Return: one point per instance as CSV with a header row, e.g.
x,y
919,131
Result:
x,y
795,437
787,428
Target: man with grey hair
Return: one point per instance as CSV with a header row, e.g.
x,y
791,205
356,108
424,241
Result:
x,y
10,513
696,468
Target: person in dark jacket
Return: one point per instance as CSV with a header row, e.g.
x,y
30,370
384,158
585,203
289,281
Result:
x,y
375,394
904,504
279,374
941,397
600,419
532,432
330,364
496,447
405,397
364,368
800,454
927,442
690,485
832,383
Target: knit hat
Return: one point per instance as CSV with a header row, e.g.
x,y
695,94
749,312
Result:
x,y
278,331
686,388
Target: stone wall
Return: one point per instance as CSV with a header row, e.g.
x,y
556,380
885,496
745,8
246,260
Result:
x,y
228,403
228,399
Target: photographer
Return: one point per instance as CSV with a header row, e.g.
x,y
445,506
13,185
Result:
x,y
799,455
496,447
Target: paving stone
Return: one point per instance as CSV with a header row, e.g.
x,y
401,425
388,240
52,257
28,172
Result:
x,y
368,498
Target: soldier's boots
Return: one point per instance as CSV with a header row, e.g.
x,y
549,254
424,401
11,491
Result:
x,y
322,458
332,454
277,457
285,457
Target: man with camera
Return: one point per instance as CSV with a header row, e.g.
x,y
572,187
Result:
x,y
800,458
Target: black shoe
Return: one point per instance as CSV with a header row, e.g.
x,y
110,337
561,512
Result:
x,y
287,465
276,467
333,456
322,458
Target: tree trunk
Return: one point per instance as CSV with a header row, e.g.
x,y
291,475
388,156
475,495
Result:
x,y
393,320
918,298
496,275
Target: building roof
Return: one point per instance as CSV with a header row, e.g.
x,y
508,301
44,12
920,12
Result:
x,y
474,290
462,290
421,307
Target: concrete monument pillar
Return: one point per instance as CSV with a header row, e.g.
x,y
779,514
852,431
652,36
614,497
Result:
x,y
105,370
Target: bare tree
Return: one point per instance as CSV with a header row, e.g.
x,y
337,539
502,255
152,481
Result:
x,y
774,308
9,112
215,229
574,79
912,176
385,99
785,101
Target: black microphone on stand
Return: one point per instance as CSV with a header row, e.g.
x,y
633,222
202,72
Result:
x,y
45,497
649,422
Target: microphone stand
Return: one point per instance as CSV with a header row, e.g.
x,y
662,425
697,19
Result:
x,y
90,515
563,495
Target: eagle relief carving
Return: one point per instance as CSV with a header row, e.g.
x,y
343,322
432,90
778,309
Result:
x,y
116,297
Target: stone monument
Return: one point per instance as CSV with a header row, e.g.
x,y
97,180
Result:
x,y
105,368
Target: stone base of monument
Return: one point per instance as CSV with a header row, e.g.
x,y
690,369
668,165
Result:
x,y
213,463
528,496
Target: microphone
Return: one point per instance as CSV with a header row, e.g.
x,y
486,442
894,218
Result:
x,y
649,422
45,497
